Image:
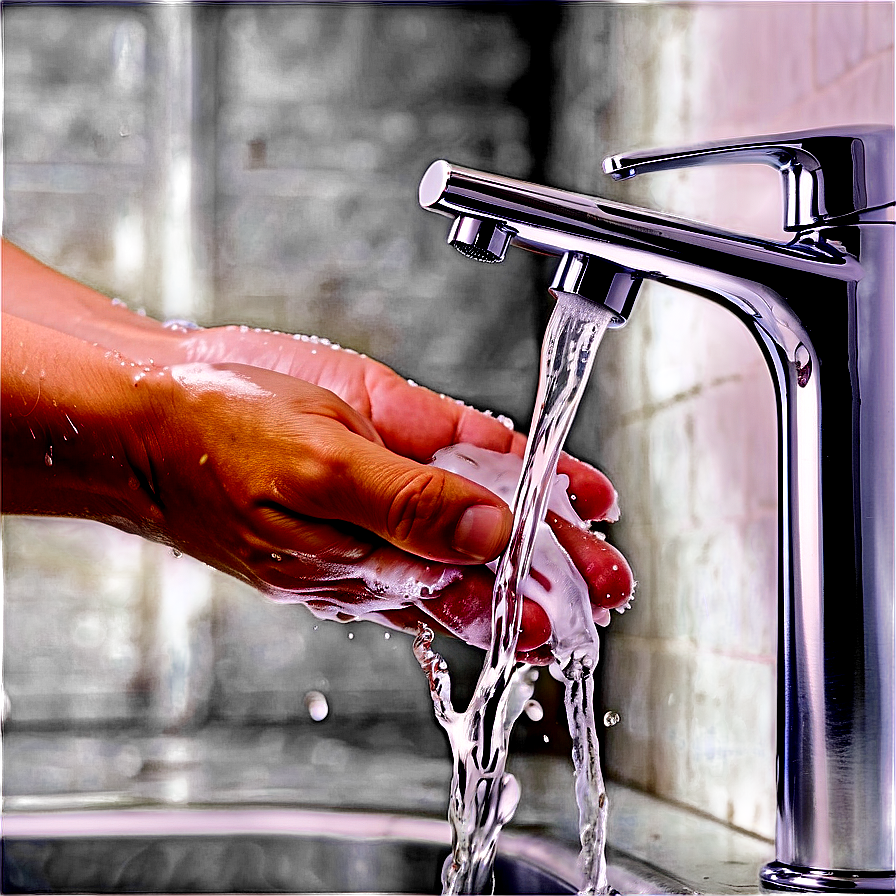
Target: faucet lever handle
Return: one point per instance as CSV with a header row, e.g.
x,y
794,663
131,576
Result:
x,y
827,174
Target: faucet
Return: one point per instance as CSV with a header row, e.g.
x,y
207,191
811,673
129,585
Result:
x,y
820,305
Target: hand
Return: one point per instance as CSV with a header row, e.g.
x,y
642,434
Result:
x,y
286,462
415,422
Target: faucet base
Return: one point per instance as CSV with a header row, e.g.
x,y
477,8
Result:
x,y
778,876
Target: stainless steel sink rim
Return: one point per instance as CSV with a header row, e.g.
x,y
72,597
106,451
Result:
x,y
548,856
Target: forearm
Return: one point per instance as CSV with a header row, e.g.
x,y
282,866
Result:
x,y
71,414
34,292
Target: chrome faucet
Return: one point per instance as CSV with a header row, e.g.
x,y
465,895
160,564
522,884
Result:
x,y
821,307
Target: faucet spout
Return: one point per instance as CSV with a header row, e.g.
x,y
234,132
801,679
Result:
x,y
822,309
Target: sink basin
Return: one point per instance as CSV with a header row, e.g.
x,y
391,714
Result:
x,y
266,851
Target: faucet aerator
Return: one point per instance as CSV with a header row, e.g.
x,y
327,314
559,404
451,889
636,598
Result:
x,y
484,241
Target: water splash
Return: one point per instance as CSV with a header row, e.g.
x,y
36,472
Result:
x,y
483,796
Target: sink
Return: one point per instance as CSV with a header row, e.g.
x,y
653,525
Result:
x,y
269,850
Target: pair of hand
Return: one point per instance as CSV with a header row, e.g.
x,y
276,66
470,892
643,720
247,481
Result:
x,y
289,463
329,499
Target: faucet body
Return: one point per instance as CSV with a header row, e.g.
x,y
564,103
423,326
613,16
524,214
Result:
x,y
821,309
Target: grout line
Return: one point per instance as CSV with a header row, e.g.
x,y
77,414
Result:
x,y
859,70
687,646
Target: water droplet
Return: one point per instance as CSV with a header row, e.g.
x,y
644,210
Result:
x,y
317,706
180,324
176,553
203,459
546,739
351,636
533,710
386,636
315,627
611,718
276,557
508,798
48,457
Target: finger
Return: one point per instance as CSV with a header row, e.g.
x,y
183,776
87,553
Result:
x,y
416,422
591,493
465,609
420,509
607,573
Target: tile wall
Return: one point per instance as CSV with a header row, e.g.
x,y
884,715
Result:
x,y
684,415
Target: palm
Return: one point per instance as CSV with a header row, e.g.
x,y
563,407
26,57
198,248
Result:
x,y
414,422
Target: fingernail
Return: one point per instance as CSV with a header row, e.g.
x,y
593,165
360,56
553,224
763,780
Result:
x,y
481,532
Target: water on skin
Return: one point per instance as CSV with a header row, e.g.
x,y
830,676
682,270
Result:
x,y
483,796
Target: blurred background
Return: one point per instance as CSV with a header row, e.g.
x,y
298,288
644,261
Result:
x,y
255,165
258,164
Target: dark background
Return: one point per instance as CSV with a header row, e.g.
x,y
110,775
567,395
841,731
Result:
x,y
312,123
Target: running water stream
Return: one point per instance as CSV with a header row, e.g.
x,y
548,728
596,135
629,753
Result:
x,y
483,796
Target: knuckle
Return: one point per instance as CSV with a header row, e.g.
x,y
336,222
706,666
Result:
x,y
416,502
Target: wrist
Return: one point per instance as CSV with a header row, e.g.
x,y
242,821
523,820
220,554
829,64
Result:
x,y
36,293
73,414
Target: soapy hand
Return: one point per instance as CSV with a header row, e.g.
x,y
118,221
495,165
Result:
x,y
326,514
416,423
287,462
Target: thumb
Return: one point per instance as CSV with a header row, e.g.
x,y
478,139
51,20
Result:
x,y
423,510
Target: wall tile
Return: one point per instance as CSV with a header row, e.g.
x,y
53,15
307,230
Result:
x,y
721,440
760,412
880,27
670,470
627,470
701,411
840,40
759,611
622,350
